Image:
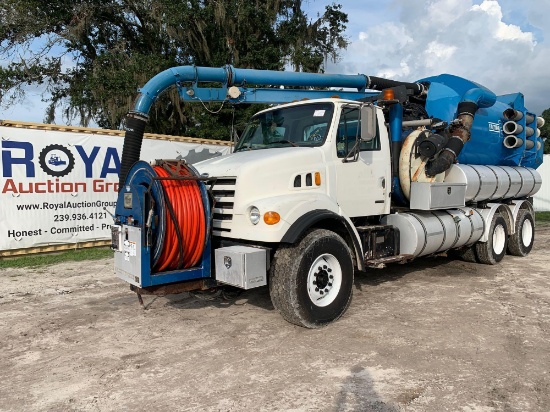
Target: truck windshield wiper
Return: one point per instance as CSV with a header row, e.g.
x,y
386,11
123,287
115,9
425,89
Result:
x,y
283,141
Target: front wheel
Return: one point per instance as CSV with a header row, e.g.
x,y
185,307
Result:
x,y
521,242
311,282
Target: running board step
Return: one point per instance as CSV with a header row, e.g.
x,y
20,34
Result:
x,y
382,262
379,241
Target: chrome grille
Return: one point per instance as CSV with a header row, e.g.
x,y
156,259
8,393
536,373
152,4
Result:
x,y
223,190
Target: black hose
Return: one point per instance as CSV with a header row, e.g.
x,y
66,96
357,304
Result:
x,y
467,108
379,83
429,144
446,158
460,134
135,126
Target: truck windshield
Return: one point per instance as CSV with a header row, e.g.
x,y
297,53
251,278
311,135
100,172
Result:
x,y
303,125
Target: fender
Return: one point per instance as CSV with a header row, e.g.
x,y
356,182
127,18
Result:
x,y
309,219
518,205
488,217
290,207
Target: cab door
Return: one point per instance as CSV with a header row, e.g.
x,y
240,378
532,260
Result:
x,y
362,168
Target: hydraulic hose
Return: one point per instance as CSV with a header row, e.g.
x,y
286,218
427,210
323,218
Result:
x,y
184,240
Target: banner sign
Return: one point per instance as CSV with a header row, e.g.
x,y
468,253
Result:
x,y
61,187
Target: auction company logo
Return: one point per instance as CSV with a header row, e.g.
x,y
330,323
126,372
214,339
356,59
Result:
x,y
57,161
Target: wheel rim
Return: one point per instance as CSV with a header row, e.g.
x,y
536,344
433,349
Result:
x,y
526,233
499,239
324,280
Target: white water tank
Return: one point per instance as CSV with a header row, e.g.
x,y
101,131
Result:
x,y
494,182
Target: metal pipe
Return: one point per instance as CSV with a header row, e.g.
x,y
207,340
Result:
x,y
512,114
540,121
417,123
229,76
512,142
512,127
396,120
529,118
270,77
529,131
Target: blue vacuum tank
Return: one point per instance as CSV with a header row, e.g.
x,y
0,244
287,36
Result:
x,y
504,132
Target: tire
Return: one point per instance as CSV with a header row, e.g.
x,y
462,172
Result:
x,y
467,254
320,258
493,251
521,242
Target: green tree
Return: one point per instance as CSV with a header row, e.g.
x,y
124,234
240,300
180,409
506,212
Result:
x,y
545,130
92,55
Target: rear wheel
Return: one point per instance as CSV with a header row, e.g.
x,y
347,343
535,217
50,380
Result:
x,y
493,251
521,242
311,282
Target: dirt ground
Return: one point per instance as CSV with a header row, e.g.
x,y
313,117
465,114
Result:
x,y
435,335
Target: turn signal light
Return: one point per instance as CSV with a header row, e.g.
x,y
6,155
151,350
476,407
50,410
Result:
x,y
388,94
318,178
272,218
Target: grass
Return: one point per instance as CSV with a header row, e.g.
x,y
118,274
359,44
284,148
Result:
x,y
51,259
542,218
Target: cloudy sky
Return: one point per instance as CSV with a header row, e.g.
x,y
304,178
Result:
x,y
501,44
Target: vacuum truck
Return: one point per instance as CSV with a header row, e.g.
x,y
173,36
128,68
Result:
x,y
341,173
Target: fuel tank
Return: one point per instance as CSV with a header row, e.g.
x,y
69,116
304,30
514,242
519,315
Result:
x,y
425,233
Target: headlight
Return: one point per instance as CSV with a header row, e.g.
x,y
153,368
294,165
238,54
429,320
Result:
x,y
254,215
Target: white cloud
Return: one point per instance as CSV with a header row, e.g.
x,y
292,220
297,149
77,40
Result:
x,y
438,52
444,11
503,31
478,40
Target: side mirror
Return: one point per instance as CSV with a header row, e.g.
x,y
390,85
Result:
x,y
368,123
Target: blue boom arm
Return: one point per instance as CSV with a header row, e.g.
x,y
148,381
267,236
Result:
x,y
188,78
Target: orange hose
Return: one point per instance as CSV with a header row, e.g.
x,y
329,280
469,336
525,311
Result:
x,y
186,200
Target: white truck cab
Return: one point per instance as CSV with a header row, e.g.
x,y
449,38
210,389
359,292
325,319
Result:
x,y
300,157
